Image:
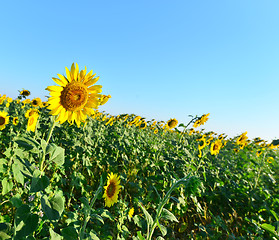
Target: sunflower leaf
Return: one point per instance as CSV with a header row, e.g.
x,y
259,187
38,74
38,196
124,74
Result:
x,y
148,217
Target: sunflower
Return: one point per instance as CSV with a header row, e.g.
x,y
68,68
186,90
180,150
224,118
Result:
x,y
15,121
202,142
242,139
4,120
2,98
36,102
215,147
172,123
74,99
103,99
270,159
32,122
200,121
142,124
25,93
112,189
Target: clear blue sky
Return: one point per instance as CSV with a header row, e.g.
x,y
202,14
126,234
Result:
x,y
158,59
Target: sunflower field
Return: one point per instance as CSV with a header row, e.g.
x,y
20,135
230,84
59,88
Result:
x,y
71,171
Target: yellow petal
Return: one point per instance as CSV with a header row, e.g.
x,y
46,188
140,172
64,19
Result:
x,y
59,82
63,79
56,110
76,72
91,81
54,88
69,78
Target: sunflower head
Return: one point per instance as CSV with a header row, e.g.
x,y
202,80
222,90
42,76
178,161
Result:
x,y
4,120
36,102
103,99
215,147
112,190
15,121
75,97
32,122
172,123
25,93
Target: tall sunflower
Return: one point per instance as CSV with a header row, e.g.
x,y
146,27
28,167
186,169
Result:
x,y
4,120
112,189
75,98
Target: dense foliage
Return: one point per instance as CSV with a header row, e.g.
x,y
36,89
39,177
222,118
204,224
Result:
x,y
171,177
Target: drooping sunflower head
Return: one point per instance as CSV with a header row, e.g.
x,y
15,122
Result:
x,y
4,120
75,98
25,93
172,123
112,190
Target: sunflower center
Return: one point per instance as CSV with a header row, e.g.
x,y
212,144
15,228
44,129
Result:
x,y
2,121
35,102
74,96
111,189
215,147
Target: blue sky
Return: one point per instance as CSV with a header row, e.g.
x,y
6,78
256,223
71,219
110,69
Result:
x,y
158,59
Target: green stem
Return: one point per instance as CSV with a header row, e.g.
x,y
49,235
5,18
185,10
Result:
x,y
47,141
162,204
181,134
87,217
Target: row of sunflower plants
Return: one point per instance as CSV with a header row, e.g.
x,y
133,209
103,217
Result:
x,y
68,171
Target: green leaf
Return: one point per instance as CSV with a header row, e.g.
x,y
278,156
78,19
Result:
x,y
93,236
98,217
275,215
16,201
26,223
3,165
54,235
140,237
160,238
162,228
4,236
17,172
43,145
70,233
268,228
167,215
56,154
38,183
28,144
149,219
53,207
7,185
